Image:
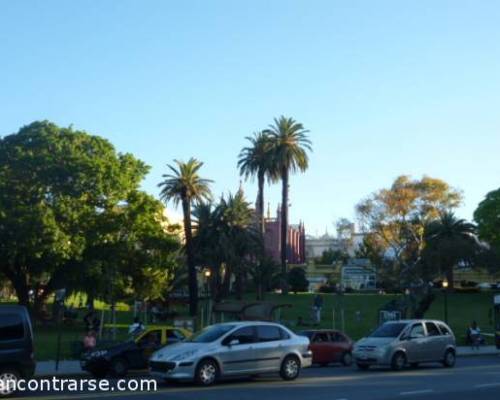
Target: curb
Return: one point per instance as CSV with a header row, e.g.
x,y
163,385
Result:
x,y
496,353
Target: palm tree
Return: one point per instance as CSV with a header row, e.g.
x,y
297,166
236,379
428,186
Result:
x,y
290,144
449,241
256,160
184,185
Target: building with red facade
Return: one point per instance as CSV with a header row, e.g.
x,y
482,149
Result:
x,y
295,240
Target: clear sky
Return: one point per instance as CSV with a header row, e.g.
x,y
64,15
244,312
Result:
x,y
385,87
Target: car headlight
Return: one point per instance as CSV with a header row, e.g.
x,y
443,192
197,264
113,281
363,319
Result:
x,y
185,355
98,353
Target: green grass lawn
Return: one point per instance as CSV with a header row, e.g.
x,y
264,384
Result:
x,y
462,309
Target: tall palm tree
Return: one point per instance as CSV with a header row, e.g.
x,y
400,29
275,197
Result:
x,y
450,240
184,185
256,160
290,145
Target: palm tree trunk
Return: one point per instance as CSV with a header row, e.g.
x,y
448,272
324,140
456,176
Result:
x,y
192,278
284,231
262,226
260,203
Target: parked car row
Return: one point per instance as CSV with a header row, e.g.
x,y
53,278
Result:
x,y
252,348
237,348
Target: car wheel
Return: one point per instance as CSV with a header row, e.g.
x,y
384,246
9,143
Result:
x,y
207,372
398,361
362,367
290,368
8,379
346,359
449,359
119,367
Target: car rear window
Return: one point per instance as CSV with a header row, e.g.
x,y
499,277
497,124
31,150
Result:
x,y
11,327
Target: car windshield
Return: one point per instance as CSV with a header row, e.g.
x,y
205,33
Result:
x,y
211,333
388,330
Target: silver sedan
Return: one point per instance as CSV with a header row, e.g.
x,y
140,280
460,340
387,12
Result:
x,y
232,349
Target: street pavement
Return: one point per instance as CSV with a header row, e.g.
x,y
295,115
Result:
x,y
473,378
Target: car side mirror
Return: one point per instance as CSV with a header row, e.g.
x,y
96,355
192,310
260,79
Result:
x,y
233,342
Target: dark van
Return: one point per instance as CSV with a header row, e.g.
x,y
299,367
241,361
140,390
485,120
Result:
x,y
17,360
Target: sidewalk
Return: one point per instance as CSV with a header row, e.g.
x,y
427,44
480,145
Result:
x,y
466,351
67,367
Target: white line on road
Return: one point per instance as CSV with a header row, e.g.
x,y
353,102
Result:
x,y
416,392
487,385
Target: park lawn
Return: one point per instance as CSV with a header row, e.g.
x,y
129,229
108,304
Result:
x,y
360,317
361,311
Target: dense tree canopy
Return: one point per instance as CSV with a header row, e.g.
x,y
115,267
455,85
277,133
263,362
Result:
x,y
450,241
66,194
395,219
487,217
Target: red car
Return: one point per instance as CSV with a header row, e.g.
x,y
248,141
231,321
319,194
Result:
x,y
329,346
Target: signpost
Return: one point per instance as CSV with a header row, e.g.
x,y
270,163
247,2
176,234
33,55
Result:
x,y
60,295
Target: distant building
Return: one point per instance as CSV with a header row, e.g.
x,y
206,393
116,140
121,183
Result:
x,y
295,240
315,246
358,274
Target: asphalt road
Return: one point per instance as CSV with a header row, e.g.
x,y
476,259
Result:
x,y
475,378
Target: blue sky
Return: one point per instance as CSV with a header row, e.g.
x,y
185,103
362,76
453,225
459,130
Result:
x,y
385,87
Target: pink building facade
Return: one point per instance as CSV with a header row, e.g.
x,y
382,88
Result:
x,y
295,240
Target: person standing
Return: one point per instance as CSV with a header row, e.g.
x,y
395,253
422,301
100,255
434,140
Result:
x,y
317,306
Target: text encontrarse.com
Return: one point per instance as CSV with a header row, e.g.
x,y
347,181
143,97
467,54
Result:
x,y
56,384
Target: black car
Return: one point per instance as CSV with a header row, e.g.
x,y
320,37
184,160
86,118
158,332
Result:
x,y
134,354
17,360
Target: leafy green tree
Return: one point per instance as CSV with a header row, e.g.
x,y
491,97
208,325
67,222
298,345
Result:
x,y
184,185
54,182
331,256
487,217
256,160
290,145
297,280
394,220
450,241
130,253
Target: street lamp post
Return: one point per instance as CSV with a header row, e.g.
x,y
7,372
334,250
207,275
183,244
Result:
x,y
208,274
445,287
